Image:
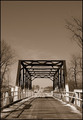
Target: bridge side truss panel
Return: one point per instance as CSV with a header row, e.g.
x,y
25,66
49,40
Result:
x,y
23,77
59,78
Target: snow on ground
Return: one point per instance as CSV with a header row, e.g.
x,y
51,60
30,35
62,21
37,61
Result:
x,y
73,108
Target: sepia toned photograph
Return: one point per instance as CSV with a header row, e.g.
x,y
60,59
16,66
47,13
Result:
x,y
41,60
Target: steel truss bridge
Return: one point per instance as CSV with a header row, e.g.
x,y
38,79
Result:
x,y
28,70
20,102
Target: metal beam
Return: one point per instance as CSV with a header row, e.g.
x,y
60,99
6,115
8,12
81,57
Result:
x,y
41,71
18,73
43,65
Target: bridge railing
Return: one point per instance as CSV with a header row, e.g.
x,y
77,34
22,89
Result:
x,y
14,94
74,97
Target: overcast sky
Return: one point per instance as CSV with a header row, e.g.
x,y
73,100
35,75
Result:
x,y
36,30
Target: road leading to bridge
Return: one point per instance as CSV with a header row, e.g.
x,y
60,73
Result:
x,y
44,108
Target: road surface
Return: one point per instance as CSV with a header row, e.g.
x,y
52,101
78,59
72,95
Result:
x,y
42,108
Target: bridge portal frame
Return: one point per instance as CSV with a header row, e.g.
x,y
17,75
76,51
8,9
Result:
x,y
28,70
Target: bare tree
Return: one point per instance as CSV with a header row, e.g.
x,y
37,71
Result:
x,y
76,67
75,26
75,70
7,59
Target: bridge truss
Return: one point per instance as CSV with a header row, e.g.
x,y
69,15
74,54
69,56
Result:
x,y
28,70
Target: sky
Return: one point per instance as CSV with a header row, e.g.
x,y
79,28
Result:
x,y
36,30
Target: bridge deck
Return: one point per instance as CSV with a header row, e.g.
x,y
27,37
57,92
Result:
x,y
41,108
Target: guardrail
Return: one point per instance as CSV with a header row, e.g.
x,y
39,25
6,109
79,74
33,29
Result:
x,y
70,97
14,94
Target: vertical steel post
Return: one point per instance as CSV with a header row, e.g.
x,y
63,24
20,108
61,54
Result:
x,y
26,80
54,84
60,77
65,72
18,73
23,77
66,82
30,85
58,80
